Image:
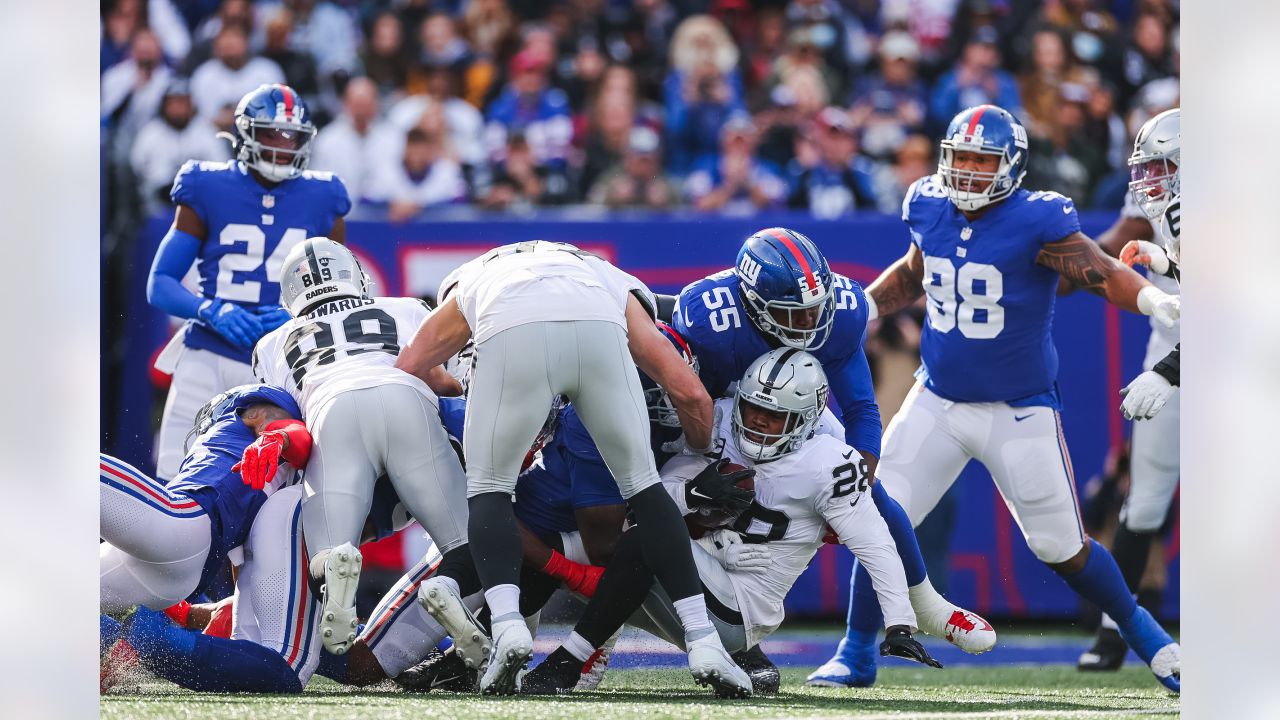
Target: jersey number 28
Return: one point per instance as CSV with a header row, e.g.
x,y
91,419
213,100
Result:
x,y
968,299
383,339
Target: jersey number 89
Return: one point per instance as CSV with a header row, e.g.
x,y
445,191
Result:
x,y
384,339
969,299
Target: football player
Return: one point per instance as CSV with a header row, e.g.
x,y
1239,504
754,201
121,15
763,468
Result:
x,y
336,357
782,293
164,543
236,221
988,255
549,319
805,485
1152,203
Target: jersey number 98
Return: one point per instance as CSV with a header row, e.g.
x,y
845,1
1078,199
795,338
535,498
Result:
x,y
968,299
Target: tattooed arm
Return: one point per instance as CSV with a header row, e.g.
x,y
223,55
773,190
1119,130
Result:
x,y
1082,263
901,284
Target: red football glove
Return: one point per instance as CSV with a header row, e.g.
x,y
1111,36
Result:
x,y
220,623
287,439
179,613
576,576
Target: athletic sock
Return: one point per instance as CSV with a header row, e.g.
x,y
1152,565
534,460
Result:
x,y
693,616
494,540
1101,583
904,535
503,600
578,647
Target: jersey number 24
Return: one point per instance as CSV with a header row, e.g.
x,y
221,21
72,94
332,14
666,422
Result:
x,y
255,240
968,298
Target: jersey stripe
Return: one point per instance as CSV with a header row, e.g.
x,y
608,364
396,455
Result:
x,y
799,256
288,102
299,578
973,121
405,595
138,482
777,367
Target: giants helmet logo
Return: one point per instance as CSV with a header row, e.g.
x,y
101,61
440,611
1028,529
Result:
x,y
749,270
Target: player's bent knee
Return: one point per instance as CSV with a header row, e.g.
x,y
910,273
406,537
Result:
x,y
1054,552
1144,518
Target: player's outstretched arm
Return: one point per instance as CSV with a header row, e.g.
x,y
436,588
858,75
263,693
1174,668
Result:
x,y
1085,265
173,259
901,284
280,437
1113,240
440,337
654,355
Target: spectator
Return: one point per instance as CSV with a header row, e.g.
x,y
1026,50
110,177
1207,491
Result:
x,y
825,28
463,122
356,143
385,57
613,114
1147,58
220,82
701,92
322,30
802,51
734,181
1049,66
424,177
648,34
1067,161
133,88
837,184
913,160
891,103
766,45
638,181
520,181
299,68
778,123
490,28
976,80
120,22
441,45
168,141
528,104
230,12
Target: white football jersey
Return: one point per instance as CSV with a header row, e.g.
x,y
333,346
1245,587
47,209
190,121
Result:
x,y
344,344
824,483
540,281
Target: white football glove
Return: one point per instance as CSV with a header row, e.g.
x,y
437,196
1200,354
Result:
x,y
733,554
1144,252
1162,306
1145,396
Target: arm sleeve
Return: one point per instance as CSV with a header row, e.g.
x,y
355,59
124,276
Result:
x,y
177,251
855,393
1170,368
862,530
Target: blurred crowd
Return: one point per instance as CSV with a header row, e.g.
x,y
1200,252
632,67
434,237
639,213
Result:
x,y
733,106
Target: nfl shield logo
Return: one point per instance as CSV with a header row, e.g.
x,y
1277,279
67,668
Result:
x,y
268,201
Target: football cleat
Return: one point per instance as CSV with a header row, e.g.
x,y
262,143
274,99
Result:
x,y
711,665
441,671
442,603
560,673
594,668
512,650
1107,654
765,678
966,630
854,664
338,598
1156,648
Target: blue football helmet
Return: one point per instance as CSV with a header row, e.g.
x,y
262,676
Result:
x,y
787,286
661,411
989,130
273,132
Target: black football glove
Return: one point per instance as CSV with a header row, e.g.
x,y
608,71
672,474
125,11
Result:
x,y
899,643
712,490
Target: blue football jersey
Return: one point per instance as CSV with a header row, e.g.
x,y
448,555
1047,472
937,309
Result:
x,y
206,477
990,306
249,229
712,317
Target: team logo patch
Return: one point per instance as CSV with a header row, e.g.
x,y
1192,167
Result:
x,y
749,269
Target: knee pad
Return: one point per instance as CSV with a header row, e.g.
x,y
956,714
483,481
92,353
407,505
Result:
x,y
1052,551
1144,516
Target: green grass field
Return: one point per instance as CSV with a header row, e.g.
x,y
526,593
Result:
x,y
965,692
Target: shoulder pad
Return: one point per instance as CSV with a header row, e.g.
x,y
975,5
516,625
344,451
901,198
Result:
x,y
925,189
324,175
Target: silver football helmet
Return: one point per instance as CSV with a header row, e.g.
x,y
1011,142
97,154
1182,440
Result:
x,y
317,270
788,381
1153,166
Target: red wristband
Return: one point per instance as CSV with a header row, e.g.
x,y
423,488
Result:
x,y
299,450
179,613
